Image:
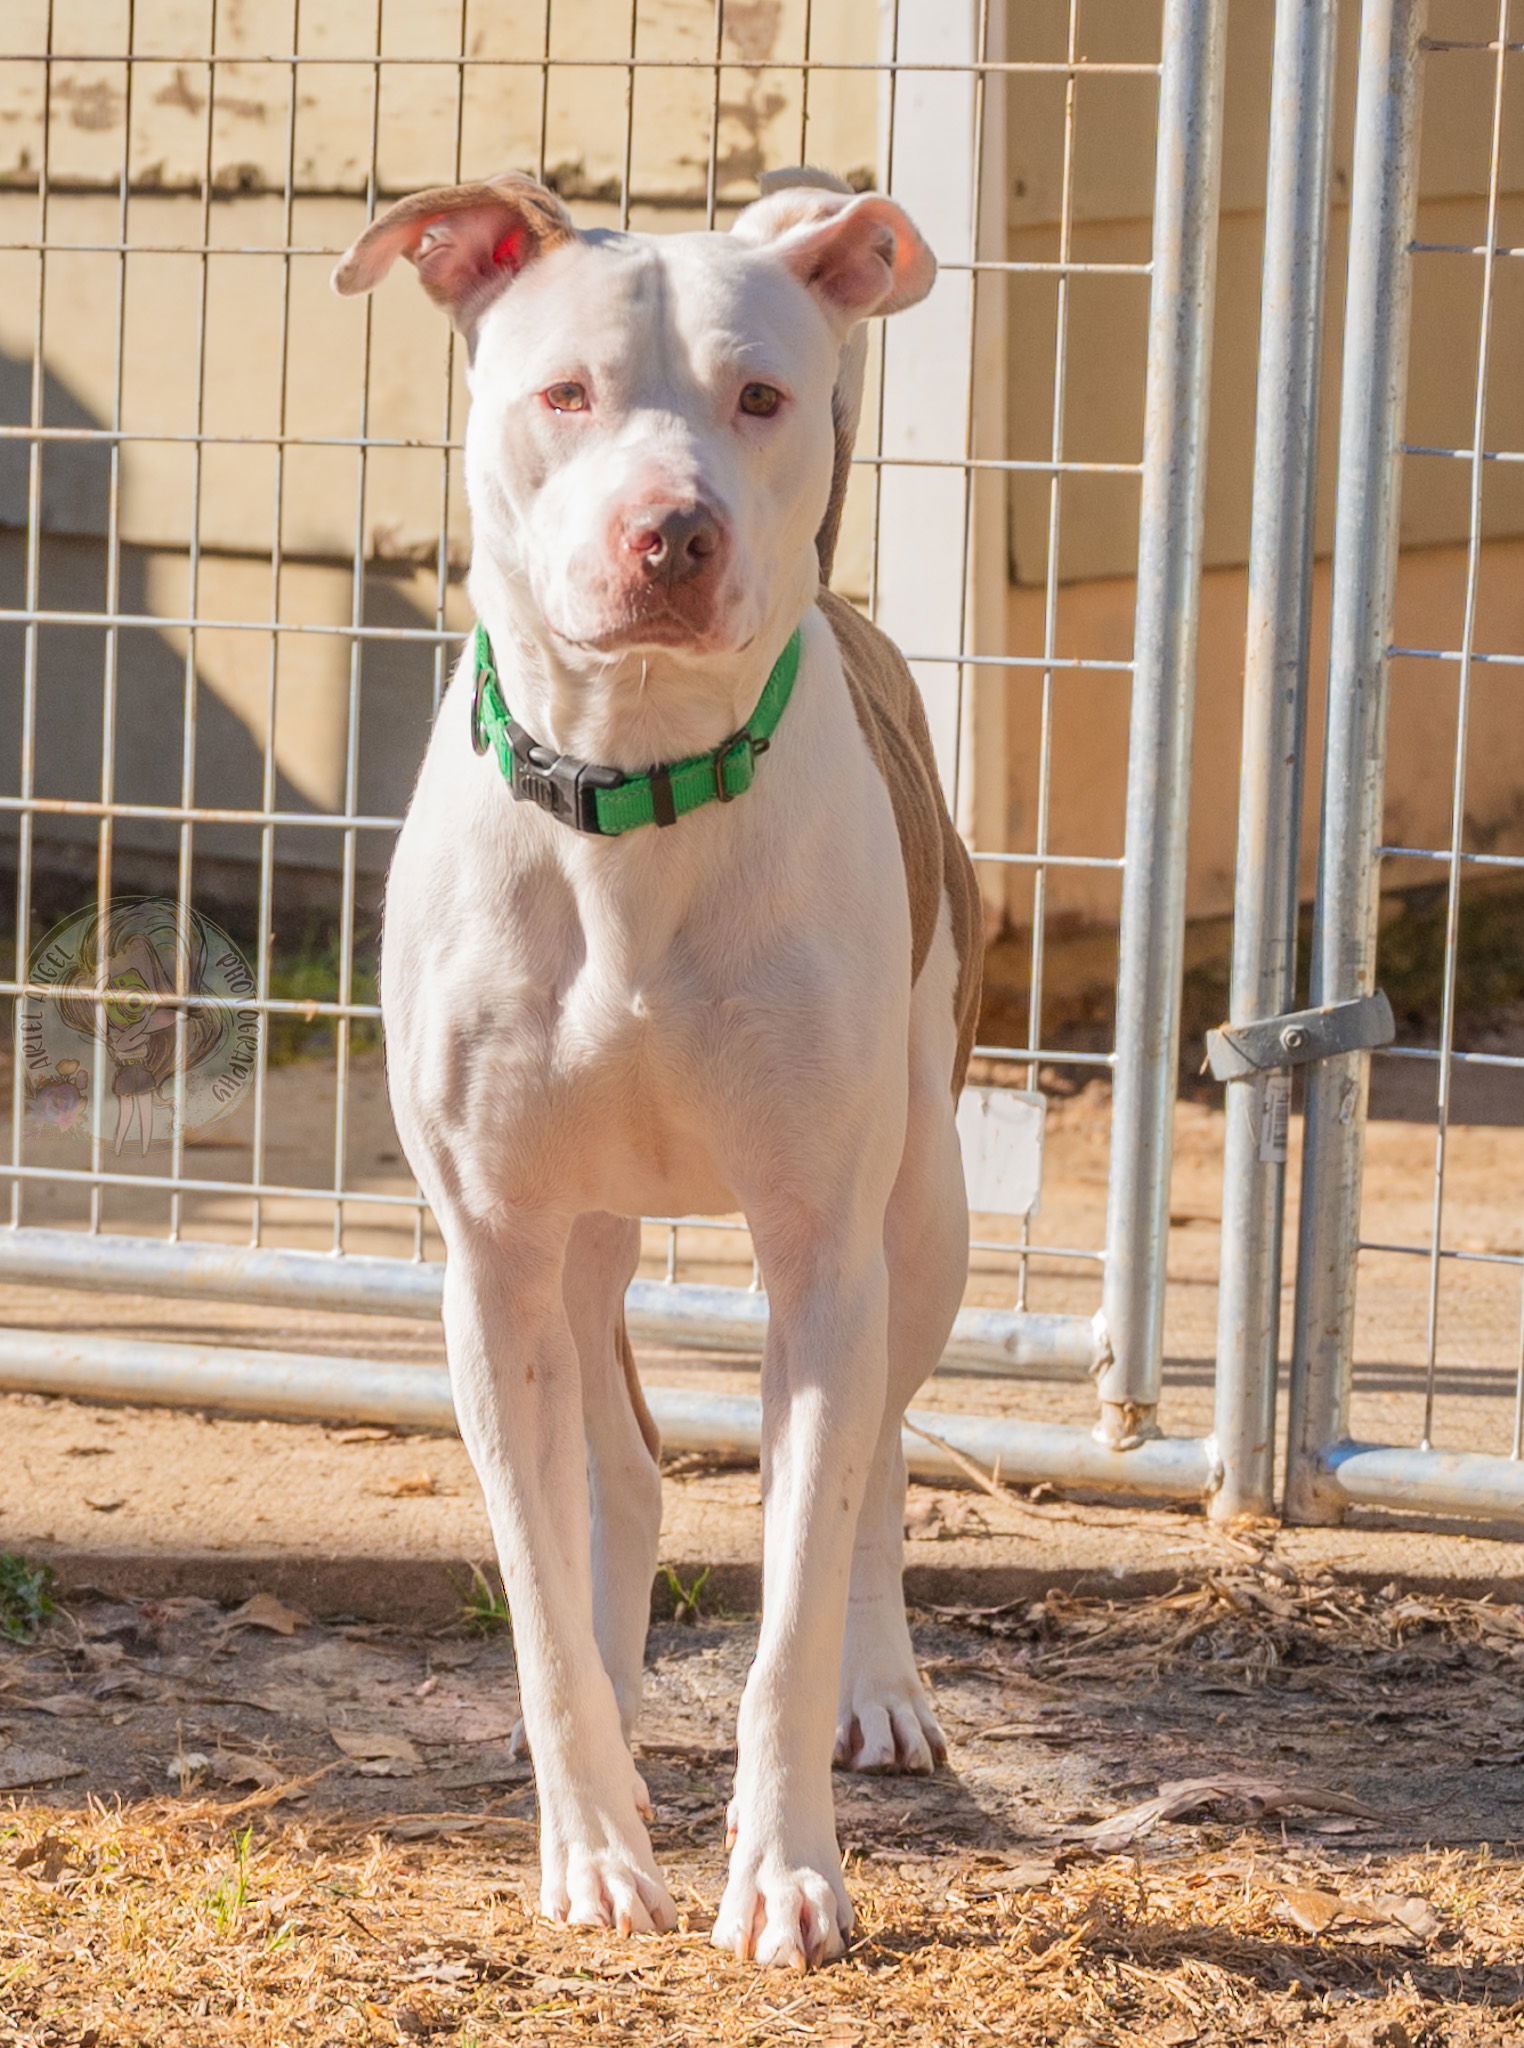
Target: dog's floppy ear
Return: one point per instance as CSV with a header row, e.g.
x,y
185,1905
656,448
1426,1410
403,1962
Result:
x,y
467,241
847,397
858,254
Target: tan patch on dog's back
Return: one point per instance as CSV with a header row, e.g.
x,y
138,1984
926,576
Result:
x,y
893,721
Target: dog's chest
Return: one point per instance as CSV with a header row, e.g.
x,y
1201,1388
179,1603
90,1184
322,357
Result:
x,y
632,1024
576,1046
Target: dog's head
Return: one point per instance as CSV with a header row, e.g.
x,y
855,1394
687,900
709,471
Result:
x,y
651,443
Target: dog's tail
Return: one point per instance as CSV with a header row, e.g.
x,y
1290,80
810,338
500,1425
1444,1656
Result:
x,y
645,1421
847,398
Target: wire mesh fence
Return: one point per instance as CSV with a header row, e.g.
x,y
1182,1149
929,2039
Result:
x,y
232,552
238,591
236,541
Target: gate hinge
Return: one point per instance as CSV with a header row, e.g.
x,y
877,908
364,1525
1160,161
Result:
x,y
1237,1050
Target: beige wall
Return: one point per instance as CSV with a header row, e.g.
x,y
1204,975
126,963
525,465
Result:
x,y
1111,206
498,112
1089,748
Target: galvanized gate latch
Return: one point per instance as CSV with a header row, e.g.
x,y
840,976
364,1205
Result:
x,y
1234,1050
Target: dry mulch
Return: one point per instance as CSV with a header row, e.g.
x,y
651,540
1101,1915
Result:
x,y
1258,1809
169,1923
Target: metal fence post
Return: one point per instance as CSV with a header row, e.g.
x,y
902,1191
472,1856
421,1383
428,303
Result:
x,y
1158,767
1365,558
1274,724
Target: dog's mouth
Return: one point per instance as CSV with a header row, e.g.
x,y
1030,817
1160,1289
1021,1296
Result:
x,y
663,623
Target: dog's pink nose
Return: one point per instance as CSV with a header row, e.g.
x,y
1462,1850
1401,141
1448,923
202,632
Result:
x,y
673,542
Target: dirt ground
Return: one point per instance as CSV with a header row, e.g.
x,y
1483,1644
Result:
x,y
214,1830
1268,1805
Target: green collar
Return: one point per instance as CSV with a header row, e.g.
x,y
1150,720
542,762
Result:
x,y
604,800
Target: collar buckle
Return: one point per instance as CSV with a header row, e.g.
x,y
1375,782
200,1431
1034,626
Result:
x,y
722,754
558,783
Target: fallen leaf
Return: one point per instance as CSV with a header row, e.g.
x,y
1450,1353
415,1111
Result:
x,y
126,1685
1026,1875
229,1768
434,1968
24,1767
1188,1795
1504,1621
428,1827
276,1795
187,1768
373,1742
573,1987
378,1753
1389,1919
939,1518
265,1611
1311,1910
47,1859
103,1507
419,1486
65,1706
366,1435
1412,1912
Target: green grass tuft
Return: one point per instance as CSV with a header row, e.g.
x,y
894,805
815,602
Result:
x,y
483,1604
686,1599
26,1601
226,1901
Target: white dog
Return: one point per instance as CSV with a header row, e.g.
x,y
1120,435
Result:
x,y
765,1006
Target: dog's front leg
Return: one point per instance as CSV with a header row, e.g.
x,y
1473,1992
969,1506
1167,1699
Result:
x,y
518,1399
823,1395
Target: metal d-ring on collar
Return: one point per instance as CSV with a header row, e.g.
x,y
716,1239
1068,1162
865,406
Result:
x,y
605,801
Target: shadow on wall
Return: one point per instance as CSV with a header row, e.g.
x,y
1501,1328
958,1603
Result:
x,y
147,728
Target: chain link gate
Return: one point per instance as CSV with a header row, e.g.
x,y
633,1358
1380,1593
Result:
x,y
120,254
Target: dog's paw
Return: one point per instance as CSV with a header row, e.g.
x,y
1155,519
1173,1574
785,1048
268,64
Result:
x,y
888,1726
596,1866
614,1886
789,1916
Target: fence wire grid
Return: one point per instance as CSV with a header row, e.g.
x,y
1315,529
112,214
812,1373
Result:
x,y
263,508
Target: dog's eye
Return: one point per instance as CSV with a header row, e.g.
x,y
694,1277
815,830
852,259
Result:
x,y
567,398
761,401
